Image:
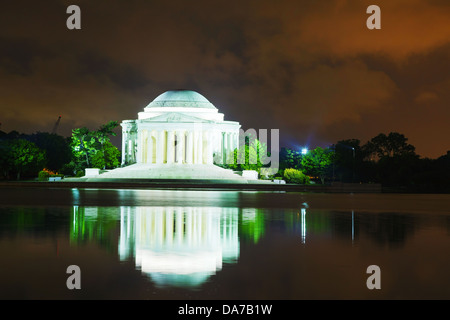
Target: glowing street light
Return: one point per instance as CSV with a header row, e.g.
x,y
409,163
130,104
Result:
x,y
304,151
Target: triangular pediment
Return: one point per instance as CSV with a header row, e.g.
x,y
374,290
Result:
x,y
175,117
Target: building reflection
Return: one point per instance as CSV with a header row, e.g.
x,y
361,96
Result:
x,y
185,246
179,246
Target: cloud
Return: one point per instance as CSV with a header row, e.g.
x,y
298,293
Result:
x,y
426,97
407,27
309,68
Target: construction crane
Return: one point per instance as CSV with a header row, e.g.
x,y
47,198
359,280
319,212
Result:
x,y
56,124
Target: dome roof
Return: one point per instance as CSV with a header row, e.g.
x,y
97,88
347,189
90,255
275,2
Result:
x,y
181,98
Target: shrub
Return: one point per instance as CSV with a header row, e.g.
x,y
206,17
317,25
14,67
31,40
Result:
x,y
79,174
295,176
43,175
266,173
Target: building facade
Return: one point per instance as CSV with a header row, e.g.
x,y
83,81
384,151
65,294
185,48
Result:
x,y
179,127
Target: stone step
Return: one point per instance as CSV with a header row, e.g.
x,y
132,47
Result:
x,y
170,171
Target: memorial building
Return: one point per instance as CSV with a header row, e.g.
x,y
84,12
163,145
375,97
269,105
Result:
x,y
179,127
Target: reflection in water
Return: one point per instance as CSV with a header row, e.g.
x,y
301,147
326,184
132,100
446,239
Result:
x,y
179,245
184,246
181,240
303,225
252,224
175,246
353,226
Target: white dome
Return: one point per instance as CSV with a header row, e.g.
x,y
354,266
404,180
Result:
x,y
181,98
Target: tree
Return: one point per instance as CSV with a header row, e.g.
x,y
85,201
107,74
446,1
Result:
x,y
109,158
348,160
317,162
290,158
6,161
252,156
21,157
82,146
394,144
103,134
57,149
87,144
391,159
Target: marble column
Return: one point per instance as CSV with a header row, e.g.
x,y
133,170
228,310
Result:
x,y
124,146
199,149
140,147
189,147
160,147
225,147
222,147
170,147
180,147
132,150
149,148
209,144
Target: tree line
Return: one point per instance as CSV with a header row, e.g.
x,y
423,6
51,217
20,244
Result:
x,y
23,156
386,158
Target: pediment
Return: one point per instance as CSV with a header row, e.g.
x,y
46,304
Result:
x,y
176,117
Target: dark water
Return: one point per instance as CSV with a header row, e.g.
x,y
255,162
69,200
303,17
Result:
x,y
173,244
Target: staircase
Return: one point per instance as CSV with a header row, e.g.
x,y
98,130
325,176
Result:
x,y
170,171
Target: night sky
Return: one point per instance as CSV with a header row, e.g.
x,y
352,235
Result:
x,y
309,68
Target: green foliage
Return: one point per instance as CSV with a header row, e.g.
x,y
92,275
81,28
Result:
x,y
5,158
69,169
43,176
292,175
79,173
107,159
391,145
57,149
252,156
317,162
83,146
21,158
92,148
290,158
266,173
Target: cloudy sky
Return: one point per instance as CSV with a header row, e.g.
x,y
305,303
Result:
x,y
309,68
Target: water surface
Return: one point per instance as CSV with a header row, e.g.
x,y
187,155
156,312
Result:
x,y
191,244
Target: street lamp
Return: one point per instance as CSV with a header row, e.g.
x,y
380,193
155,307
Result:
x,y
353,173
304,151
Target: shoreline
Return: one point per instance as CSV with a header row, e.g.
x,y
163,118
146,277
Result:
x,y
198,184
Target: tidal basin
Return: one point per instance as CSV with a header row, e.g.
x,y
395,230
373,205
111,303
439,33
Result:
x,y
222,244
